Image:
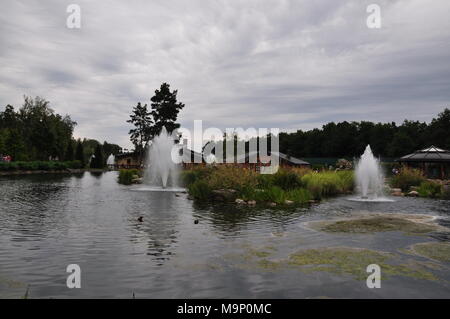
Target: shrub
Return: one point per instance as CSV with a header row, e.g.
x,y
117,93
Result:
x,y
445,193
328,183
346,181
299,195
38,165
45,166
200,190
188,177
429,189
286,180
232,177
272,194
75,164
126,176
406,178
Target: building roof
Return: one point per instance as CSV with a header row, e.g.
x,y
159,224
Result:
x,y
429,154
124,155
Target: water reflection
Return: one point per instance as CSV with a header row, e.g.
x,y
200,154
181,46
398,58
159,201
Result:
x,y
50,221
159,226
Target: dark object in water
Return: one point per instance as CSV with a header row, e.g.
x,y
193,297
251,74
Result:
x,y
365,197
141,219
196,221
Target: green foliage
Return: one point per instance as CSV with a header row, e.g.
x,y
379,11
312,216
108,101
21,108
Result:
x,y
165,109
126,176
236,178
188,177
286,180
346,139
148,124
277,195
298,186
406,178
79,154
39,165
445,194
36,133
200,190
328,183
70,155
141,134
430,189
98,160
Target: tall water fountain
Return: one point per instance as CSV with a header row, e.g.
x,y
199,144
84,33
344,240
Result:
x,y
369,177
161,171
110,161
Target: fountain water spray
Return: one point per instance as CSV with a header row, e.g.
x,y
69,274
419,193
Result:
x,y
369,178
161,170
110,160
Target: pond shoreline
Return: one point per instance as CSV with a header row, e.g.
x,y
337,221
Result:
x,y
66,171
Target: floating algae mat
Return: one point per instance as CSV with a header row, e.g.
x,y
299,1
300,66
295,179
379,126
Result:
x,y
371,223
341,261
432,250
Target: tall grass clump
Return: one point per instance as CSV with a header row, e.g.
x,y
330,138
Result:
x,y
240,179
126,176
190,176
430,189
299,185
286,179
406,178
328,183
200,190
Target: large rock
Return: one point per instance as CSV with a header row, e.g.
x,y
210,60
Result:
x,y
413,193
224,195
288,202
396,192
239,201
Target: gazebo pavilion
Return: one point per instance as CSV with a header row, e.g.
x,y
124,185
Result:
x,y
433,161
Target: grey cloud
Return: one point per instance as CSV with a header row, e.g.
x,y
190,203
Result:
x,y
287,64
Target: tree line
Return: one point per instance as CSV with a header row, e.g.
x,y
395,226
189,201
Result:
x,y
36,133
349,139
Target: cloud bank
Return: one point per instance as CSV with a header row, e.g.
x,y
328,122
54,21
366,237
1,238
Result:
x,y
273,63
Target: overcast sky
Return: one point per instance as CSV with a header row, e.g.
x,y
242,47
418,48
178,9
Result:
x,y
285,64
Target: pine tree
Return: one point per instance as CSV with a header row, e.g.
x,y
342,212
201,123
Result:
x,y
141,134
69,156
79,154
165,109
98,159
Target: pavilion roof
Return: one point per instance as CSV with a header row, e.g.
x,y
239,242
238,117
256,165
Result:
x,y
429,154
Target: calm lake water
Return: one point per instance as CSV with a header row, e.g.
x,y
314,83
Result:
x,y
50,221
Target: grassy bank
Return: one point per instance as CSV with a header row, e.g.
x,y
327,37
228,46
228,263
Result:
x,y
39,166
413,180
286,186
126,176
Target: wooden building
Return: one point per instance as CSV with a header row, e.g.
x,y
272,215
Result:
x,y
127,160
433,161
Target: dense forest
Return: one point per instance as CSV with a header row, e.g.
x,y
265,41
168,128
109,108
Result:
x,y
348,139
36,133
